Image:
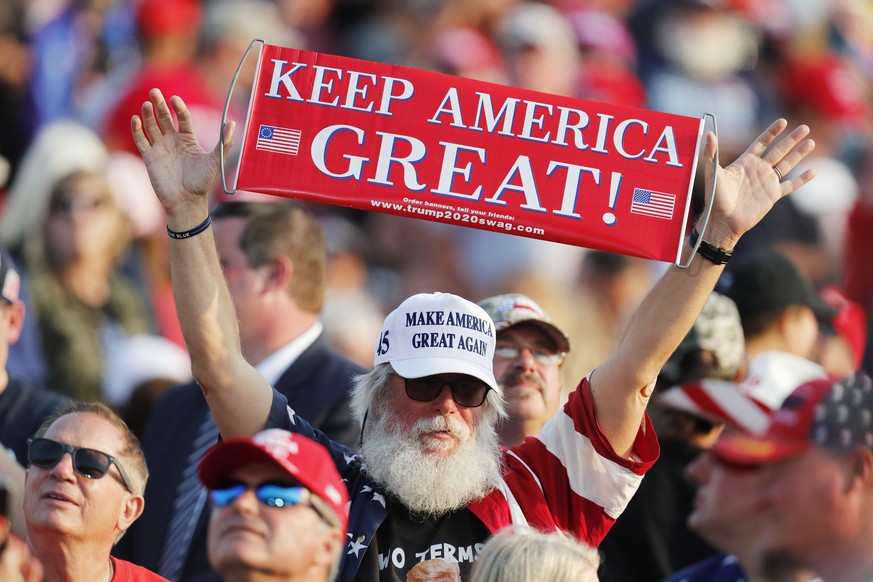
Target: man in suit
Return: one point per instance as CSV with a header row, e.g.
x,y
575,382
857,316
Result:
x,y
273,259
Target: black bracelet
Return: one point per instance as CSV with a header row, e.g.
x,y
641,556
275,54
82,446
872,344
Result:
x,y
711,253
193,232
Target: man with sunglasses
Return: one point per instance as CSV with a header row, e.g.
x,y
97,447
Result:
x,y
430,482
83,489
528,355
278,508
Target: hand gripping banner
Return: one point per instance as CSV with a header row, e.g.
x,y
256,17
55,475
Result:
x,y
432,146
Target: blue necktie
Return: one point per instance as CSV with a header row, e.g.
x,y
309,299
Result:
x,y
189,502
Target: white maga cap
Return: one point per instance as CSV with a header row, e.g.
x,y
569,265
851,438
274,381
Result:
x,y
438,333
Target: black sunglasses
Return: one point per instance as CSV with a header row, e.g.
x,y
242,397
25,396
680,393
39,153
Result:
x,y
467,392
90,463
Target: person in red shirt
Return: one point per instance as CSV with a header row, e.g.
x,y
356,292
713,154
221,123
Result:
x,y
83,489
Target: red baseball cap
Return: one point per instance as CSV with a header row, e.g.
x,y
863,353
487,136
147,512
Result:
x,y
305,460
831,413
850,321
827,85
158,18
463,48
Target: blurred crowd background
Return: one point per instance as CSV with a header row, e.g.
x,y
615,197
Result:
x,y
76,205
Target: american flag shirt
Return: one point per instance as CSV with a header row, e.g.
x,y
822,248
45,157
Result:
x,y
567,478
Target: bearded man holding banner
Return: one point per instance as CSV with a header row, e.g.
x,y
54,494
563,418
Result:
x,y
430,481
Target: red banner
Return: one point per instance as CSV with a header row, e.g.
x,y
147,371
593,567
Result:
x,y
414,143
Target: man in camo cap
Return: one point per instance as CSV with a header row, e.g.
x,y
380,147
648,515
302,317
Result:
x,y
528,355
715,344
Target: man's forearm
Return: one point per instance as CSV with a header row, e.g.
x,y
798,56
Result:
x,y
182,174
237,395
657,327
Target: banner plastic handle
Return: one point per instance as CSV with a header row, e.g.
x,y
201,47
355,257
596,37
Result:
x,y
708,210
227,108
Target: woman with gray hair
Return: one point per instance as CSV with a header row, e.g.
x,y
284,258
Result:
x,y
519,553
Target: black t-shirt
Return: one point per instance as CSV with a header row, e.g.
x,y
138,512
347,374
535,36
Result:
x,y
23,408
404,540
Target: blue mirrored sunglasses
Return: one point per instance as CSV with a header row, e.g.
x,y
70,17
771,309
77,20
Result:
x,y
273,495
270,494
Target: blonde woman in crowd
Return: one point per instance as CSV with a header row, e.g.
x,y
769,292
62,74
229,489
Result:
x,y
68,234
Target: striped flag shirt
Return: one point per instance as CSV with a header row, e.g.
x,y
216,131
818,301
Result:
x,y
568,478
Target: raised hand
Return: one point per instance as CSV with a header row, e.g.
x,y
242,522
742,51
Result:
x,y
181,171
753,183
16,562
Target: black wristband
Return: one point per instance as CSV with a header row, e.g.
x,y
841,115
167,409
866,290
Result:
x,y
711,253
193,232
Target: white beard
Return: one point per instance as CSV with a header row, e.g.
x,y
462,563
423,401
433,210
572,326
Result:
x,y
425,474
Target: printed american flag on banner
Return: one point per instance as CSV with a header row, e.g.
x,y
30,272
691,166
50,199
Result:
x,y
281,140
655,204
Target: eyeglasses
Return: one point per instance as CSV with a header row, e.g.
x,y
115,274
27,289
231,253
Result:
x,y
272,494
466,392
69,205
506,351
90,463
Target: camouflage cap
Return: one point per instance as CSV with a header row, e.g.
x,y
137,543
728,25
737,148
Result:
x,y
717,330
514,308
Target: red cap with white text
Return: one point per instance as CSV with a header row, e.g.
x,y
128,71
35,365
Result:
x,y
305,460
